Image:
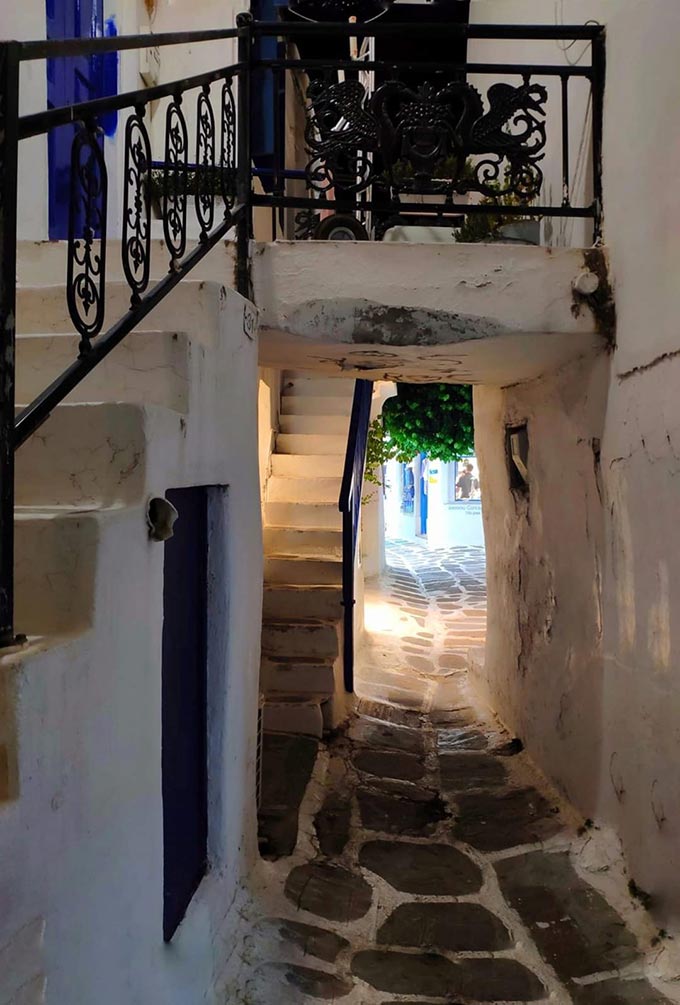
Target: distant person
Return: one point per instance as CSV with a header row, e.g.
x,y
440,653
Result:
x,y
467,483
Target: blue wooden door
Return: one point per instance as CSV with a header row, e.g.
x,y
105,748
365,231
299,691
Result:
x,y
69,81
423,496
184,705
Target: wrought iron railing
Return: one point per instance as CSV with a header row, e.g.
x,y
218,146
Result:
x,y
218,157
350,507
416,141
384,141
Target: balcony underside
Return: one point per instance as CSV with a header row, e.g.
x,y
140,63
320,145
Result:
x,y
476,313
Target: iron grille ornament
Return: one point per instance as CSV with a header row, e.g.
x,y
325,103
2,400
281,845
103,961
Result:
x,y
86,253
408,136
175,180
136,242
340,10
228,146
205,162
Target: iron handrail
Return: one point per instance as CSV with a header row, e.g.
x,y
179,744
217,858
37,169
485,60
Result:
x,y
381,29
349,505
54,48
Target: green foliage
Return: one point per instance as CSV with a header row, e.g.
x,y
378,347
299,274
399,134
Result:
x,y
380,450
435,419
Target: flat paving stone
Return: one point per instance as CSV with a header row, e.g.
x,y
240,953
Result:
x,y
456,928
390,764
619,992
463,772
314,983
452,661
422,663
318,942
329,891
495,821
332,824
428,870
387,737
287,765
577,932
453,740
458,717
398,814
388,713
478,980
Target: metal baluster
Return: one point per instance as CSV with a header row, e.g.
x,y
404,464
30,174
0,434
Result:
x,y
175,181
86,267
205,162
9,142
136,241
228,145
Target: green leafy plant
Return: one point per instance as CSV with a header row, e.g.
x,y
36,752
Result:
x,y
435,419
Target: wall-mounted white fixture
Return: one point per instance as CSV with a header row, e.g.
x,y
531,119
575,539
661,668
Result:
x,y
160,517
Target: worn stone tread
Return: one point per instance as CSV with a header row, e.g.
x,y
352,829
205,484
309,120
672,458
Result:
x,y
318,942
429,870
397,814
456,928
574,927
476,980
461,772
390,764
314,983
329,891
619,992
495,821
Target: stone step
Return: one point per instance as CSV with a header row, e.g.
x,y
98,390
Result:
x,y
324,602
293,715
306,444
293,570
146,368
322,405
317,387
193,306
303,541
321,516
300,639
54,570
84,455
310,679
311,466
322,490
310,425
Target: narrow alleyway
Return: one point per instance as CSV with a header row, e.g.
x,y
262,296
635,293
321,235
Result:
x,y
432,863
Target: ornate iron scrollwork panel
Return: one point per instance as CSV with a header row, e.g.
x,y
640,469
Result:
x,y
136,242
341,134
175,180
86,269
205,162
228,145
434,137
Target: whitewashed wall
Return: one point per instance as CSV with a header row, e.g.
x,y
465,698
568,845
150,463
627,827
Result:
x,y
599,696
81,853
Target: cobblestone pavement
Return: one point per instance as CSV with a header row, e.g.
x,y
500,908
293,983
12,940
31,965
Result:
x,y
433,865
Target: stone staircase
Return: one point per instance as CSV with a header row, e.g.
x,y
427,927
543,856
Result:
x,y
301,673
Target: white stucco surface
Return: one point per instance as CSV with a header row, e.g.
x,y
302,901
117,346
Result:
x,y
475,313
583,647
81,837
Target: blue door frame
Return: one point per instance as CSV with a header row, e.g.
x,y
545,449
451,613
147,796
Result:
x,y
423,498
69,81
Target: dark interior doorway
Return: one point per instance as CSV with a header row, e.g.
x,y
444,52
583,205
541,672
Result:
x,y
184,705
